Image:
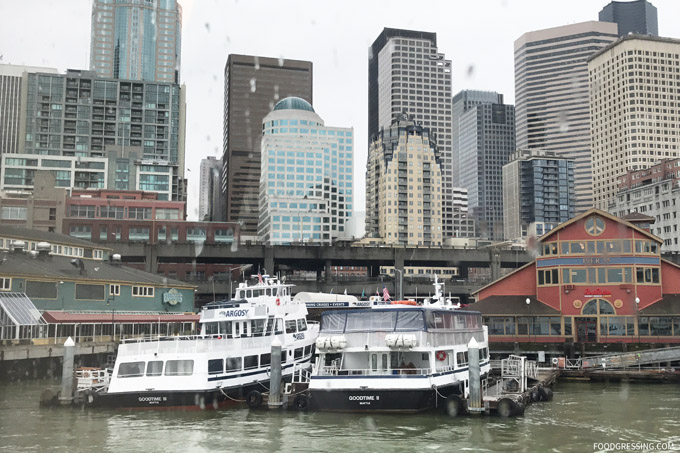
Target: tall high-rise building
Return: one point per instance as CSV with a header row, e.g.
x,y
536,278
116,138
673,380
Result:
x,y
136,39
252,87
10,104
209,191
551,94
306,192
404,185
487,139
538,193
636,17
634,109
100,133
407,74
461,104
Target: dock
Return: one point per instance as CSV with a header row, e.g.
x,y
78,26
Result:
x,y
521,383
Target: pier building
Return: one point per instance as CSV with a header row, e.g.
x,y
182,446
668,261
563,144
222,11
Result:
x,y
598,279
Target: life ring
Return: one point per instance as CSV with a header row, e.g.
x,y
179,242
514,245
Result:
x,y
441,355
278,301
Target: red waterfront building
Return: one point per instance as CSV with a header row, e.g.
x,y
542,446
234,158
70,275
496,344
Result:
x,y
598,279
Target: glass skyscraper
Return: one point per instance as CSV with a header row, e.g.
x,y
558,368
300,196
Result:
x,y
638,17
136,39
306,190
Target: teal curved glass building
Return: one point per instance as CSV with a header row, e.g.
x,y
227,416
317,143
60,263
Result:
x,y
306,187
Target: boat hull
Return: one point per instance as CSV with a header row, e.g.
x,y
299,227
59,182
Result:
x,y
172,400
381,400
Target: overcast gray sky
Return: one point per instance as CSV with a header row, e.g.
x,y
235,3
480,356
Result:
x,y
476,35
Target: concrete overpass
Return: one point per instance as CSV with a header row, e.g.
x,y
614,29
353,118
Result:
x,y
320,258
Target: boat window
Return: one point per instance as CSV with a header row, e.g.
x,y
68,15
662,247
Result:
x,y
257,327
384,361
233,364
130,369
374,362
215,366
460,322
211,328
333,322
265,359
371,321
270,326
410,320
308,350
284,355
301,325
179,367
249,293
225,328
298,353
279,326
237,329
154,368
462,358
290,326
250,362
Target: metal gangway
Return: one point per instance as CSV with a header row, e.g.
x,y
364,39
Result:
x,y
628,359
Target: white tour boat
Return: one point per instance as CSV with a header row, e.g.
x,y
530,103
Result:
x,y
401,357
228,360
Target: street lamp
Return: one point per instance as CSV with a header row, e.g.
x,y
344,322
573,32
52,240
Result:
x,y
401,283
637,316
528,301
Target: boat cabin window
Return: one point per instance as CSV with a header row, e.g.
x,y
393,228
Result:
x,y
284,356
308,350
279,326
237,330
270,326
131,369
225,328
450,321
298,353
211,328
301,325
461,358
250,362
233,364
257,327
410,320
215,366
371,321
179,367
154,368
291,326
265,359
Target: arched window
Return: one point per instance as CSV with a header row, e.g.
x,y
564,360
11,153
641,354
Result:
x,y
598,307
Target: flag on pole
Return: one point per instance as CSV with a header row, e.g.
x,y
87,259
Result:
x,y
377,291
363,293
345,291
386,293
332,290
259,277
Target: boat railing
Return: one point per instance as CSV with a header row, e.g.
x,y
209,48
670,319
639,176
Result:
x,y
301,373
335,371
181,344
92,378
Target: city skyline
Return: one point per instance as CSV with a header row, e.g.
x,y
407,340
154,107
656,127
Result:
x,y
339,53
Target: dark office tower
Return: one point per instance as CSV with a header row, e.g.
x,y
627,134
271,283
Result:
x,y
252,86
407,74
136,39
487,139
637,17
462,102
551,95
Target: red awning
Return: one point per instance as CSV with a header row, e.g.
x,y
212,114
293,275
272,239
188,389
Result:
x,y
60,317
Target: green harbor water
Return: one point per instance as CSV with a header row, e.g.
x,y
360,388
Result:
x,y
582,414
